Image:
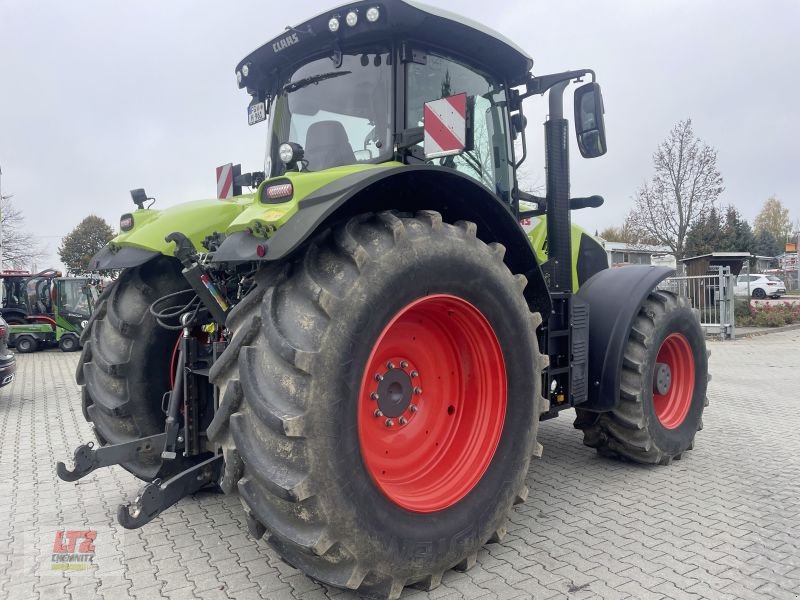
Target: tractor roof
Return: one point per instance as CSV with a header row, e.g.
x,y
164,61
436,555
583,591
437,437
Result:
x,y
404,19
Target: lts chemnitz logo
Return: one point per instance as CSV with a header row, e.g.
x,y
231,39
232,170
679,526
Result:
x,y
73,550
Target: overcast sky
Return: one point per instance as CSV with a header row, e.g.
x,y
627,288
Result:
x,y
98,97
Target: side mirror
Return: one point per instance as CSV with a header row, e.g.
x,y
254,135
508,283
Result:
x,y
447,125
589,124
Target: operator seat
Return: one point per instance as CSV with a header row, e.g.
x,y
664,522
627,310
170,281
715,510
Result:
x,y
327,146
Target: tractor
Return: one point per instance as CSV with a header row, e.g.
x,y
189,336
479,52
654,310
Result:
x,y
26,293
362,346
53,311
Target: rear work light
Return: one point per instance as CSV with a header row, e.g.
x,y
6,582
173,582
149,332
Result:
x,y
280,191
126,222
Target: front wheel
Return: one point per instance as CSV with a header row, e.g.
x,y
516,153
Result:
x,y
69,343
389,400
662,387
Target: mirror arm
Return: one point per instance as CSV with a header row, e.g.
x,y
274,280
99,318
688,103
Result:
x,y
539,85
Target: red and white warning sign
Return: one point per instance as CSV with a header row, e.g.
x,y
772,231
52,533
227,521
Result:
x,y
445,122
225,181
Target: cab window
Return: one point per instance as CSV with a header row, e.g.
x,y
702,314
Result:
x,y
488,162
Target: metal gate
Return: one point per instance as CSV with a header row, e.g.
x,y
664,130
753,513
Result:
x,y
711,296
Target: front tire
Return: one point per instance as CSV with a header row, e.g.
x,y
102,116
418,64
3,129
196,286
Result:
x,y
69,343
369,317
126,362
662,388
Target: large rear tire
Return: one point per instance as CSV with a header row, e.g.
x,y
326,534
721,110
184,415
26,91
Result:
x,y
417,319
126,360
662,388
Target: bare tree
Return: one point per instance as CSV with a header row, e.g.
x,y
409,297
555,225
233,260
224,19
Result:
x,y
20,248
685,186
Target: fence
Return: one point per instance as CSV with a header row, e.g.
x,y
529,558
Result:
x,y
712,296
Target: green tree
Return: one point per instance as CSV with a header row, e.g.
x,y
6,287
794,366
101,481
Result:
x,y
766,244
737,235
684,187
774,218
82,243
706,235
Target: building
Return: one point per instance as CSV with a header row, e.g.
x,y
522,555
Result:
x,y
621,254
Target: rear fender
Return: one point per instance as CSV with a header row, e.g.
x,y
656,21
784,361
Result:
x,y
405,188
614,297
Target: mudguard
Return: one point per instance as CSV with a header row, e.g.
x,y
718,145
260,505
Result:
x,y
407,188
614,297
114,257
147,237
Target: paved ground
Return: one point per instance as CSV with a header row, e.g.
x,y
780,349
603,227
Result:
x,y
722,523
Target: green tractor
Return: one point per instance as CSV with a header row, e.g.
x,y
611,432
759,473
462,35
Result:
x,y
363,346
56,311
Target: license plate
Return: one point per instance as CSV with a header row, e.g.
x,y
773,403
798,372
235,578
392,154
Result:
x,y
256,113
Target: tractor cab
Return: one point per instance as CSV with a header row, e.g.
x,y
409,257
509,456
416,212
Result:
x,y
358,85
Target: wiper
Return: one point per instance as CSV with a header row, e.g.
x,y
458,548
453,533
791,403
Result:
x,y
296,85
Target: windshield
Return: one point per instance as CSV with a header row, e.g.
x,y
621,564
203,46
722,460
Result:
x,y
338,113
75,297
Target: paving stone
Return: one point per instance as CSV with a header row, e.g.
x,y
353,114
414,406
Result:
x,y
723,523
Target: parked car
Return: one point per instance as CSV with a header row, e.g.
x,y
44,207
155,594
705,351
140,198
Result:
x,y
8,363
761,286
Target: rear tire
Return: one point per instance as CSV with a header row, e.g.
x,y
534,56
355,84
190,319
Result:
x,y
759,293
125,364
25,344
646,426
306,340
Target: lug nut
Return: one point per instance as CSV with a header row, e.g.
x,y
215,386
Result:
x,y
412,408
402,420
374,395
414,374
389,423
417,390
378,377
378,412
403,364
390,365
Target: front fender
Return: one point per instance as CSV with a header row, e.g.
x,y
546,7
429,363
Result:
x,y
614,297
196,220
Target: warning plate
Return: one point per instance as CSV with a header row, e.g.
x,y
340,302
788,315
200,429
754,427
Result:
x,y
445,124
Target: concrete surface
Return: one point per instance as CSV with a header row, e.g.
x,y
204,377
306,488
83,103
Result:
x,y
722,523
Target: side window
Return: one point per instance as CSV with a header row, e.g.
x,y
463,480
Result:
x,y
488,161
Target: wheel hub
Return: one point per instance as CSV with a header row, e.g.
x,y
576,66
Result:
x,y
395,391
662,378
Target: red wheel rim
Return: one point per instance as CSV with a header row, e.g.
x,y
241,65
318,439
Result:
x,y
431,445
672,407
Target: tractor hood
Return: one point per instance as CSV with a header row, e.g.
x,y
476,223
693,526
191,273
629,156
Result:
x,y
263,69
